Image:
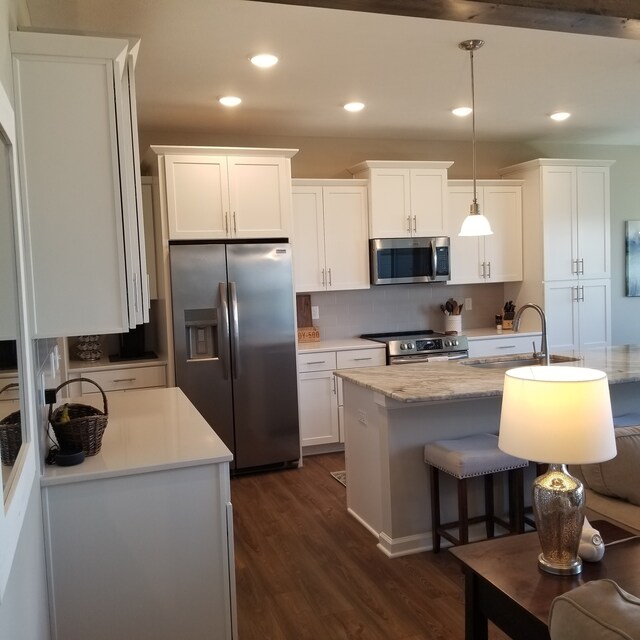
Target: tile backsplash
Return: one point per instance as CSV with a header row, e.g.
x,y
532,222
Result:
x,y
346,314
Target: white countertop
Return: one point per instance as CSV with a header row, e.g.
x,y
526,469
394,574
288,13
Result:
x,y
148,430
338,345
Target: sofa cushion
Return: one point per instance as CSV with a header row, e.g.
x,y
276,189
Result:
x,y
620,476
596,610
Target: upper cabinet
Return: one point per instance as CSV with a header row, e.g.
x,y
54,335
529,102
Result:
x,y
80,182
405,198
213,192
494,258
331,245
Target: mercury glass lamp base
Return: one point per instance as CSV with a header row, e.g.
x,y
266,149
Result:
x,y
558,498
571,569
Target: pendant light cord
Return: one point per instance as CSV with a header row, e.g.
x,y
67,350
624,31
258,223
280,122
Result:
x,y
473,133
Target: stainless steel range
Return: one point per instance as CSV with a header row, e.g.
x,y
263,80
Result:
x,y
407,347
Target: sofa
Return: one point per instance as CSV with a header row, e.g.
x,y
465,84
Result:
x,y
612,488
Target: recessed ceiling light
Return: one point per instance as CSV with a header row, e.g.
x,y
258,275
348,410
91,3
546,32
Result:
x,y
264,60
560,116
354,106
461,112
230,101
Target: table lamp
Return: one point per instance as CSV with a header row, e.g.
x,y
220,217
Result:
x,y
558,415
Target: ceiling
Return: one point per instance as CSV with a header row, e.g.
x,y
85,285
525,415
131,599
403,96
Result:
x,y
409,72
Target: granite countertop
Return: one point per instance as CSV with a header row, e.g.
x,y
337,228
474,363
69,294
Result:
x,y
148,430
457,380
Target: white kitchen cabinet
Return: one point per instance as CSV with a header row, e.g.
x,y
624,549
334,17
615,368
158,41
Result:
x,y
216,192
320,392
494,258
80,182
149,203
566,226
405,198
578,313
138,376
139,537
505,344
331,241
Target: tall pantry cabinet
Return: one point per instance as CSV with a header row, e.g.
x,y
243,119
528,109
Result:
x,y
80,182
567,260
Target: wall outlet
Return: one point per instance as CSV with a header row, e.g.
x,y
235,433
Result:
x,y
315,313
468,304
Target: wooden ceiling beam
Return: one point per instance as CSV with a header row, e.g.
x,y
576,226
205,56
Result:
x,y
613,18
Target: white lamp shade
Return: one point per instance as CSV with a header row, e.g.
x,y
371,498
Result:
x,y
475,224
559,415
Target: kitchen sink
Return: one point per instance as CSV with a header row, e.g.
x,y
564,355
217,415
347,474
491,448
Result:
x,y
515,361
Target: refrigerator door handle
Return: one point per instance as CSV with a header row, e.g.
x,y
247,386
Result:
x,y
224,324
235,336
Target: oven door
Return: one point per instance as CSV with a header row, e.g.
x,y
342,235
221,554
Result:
x,y
409,260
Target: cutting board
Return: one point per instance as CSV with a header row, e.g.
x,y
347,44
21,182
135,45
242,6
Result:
x,y
303,310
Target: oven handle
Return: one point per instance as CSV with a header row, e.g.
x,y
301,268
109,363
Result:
x,y
434,358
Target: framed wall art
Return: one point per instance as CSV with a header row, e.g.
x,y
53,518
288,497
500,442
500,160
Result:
x,y
632,253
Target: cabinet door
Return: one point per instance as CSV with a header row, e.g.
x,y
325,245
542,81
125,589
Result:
x,y
593,222
429,202
259,197
390,203
149,236
466,255
504,345
318,408
346,237
594,313
503,249
560,222
67,133
197,196
308,245
561,309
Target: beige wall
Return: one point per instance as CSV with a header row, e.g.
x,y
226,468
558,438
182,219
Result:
x,y
330,157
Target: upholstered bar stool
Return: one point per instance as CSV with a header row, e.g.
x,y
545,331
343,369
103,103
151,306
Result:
x,y
468,457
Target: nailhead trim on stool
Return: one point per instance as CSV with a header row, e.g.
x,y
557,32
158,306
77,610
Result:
x,y
468,457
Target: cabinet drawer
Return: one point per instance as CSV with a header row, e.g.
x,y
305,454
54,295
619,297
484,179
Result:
x,y
119,379
361,358
504,345
318,361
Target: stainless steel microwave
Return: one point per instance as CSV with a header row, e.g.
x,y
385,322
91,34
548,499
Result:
x,y
407,260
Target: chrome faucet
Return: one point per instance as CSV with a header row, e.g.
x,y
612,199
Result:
x,y
543,354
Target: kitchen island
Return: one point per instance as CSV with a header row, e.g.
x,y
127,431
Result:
x,y
139,537
390,413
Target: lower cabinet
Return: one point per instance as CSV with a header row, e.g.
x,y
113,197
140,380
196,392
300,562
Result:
x,y
320,392
578,313
502,345
121,379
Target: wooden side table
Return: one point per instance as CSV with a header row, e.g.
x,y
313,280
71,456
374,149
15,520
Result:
x,y
504,584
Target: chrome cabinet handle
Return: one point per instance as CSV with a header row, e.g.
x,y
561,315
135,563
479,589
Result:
x,y
581,294
415,227
317,362
581,271
483,266
507,346
489,269
322,271
408,224
335,390
235,223
361,359
124,379
330,279
226,222
574,294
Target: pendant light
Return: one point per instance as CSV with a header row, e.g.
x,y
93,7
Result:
x,y
475,224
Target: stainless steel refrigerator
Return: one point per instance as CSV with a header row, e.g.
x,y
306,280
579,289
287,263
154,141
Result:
x,y
234,338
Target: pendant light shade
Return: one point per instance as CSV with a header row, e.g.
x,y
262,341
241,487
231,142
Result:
x,y
475,224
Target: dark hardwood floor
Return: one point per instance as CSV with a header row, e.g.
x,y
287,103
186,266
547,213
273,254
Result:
x,y
306,570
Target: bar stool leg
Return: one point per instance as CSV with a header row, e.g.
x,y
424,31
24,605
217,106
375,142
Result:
x,y
488,505
516,500
463,515
435,507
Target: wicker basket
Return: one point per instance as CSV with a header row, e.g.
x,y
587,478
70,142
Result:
x,y
86,424
10,433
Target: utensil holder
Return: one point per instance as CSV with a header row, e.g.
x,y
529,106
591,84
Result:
x,y
453,325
